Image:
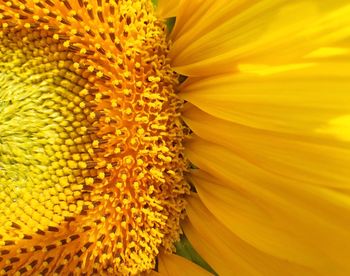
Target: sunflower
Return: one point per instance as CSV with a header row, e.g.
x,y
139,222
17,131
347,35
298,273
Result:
x,y
215,145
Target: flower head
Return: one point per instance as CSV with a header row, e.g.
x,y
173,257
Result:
x,y
108,157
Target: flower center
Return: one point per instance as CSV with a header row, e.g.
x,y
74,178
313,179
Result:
x,y
91,164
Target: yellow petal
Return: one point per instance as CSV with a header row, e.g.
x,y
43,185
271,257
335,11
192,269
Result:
x,y
211,37
173,265
228,254
304,100
263,223
168,8
338,127
150,273
314,161
302,224
326,52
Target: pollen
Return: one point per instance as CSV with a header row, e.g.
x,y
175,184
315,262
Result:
x,y
91,156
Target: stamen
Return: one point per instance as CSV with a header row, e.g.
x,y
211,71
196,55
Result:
x,y
91,163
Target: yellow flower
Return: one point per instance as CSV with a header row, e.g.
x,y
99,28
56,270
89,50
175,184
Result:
x,y
106,156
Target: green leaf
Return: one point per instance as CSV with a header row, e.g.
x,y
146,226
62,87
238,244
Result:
x,y
185,249
170,23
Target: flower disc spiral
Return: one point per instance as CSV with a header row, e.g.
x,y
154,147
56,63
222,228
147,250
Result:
x,y
91,164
